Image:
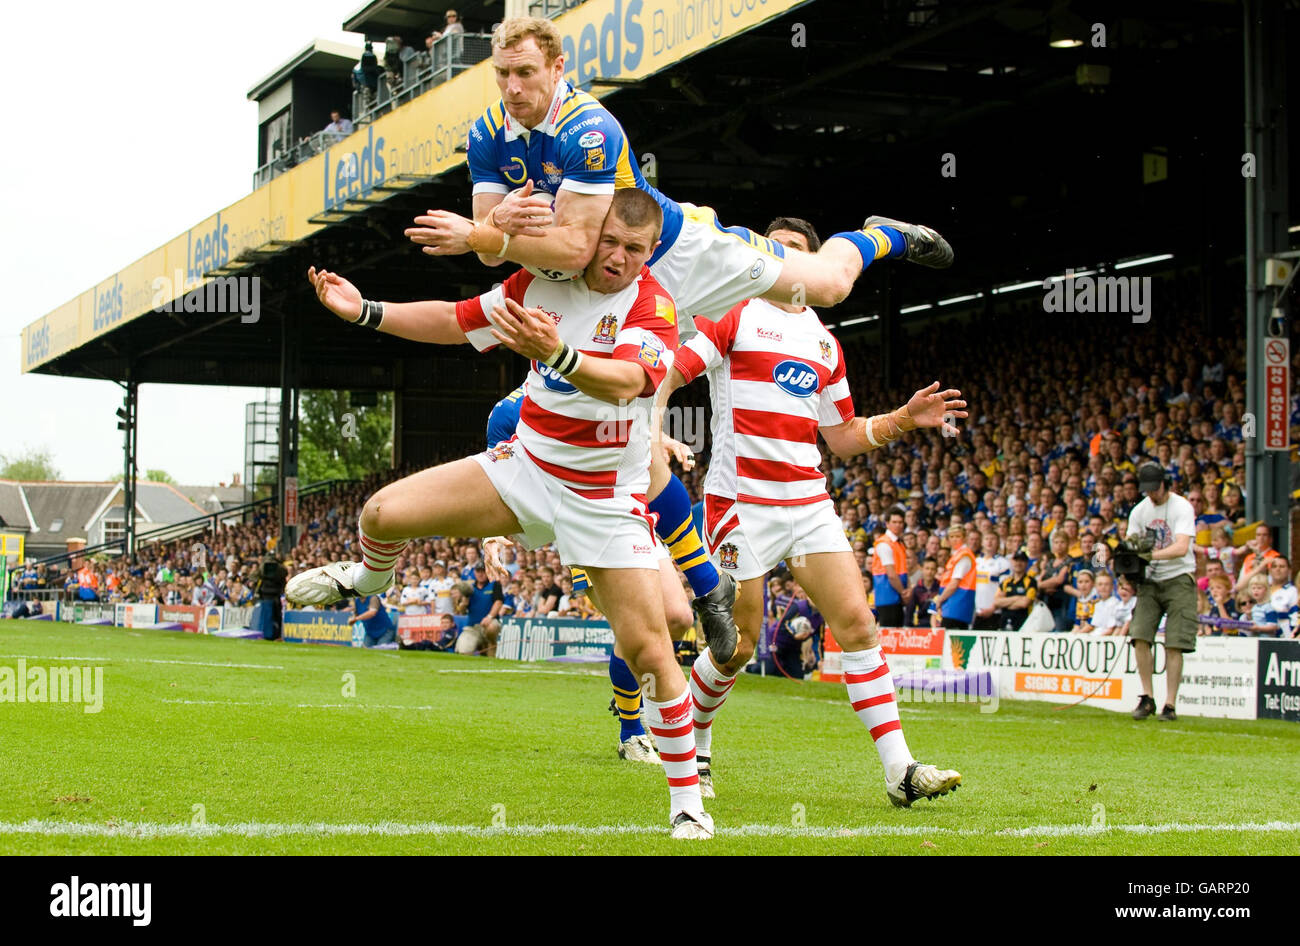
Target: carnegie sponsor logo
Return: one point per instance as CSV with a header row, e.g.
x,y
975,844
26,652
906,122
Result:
x,y
575,129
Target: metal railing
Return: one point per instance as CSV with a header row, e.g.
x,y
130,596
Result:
x,y
294,155
448,57
552,8
168,533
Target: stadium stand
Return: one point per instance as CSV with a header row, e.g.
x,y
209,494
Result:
x,y
1055,398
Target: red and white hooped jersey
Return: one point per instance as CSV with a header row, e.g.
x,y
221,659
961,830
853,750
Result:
x,y
774,378
597,449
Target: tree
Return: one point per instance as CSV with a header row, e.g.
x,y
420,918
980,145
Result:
x,y
34,464
339,441
159,476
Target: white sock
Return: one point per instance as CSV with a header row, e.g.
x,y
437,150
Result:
x,y
671,724
871,691
374,572
709,689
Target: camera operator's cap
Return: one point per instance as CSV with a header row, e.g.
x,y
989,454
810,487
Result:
x,y
1150,477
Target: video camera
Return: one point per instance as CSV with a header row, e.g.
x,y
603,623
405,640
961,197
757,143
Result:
x,y
1132,557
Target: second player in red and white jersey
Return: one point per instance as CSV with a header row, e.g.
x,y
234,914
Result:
x,y
596,449
775,377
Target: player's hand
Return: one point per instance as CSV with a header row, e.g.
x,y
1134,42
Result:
x,y
492,549
528,332
441,233
336,294
676,450
524,213
930,407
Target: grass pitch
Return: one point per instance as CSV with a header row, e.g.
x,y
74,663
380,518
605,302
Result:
x,y
212,746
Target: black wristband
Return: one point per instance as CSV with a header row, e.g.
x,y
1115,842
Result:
x,y
568,359
372,314
565,359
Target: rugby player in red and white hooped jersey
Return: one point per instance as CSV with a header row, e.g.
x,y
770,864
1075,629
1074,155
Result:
x,y
577,470
777,379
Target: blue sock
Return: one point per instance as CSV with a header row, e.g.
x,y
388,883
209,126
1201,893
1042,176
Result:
x,y
676,526
627,698
876,243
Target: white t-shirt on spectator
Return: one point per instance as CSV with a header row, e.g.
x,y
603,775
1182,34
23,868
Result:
x,y
1171,518
1124,611
437,593
989,571
1106,614
412,600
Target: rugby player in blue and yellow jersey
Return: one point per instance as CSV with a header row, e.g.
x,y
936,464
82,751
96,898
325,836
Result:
x,y
545,161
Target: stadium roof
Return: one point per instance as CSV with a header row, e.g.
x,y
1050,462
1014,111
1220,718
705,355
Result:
x,y
1058,157
418,17
323,58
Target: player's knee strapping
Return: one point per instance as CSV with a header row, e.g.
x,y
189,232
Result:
x,y
677,530
627,698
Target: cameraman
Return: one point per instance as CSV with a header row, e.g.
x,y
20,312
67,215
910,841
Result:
x,y
1168,589
272,577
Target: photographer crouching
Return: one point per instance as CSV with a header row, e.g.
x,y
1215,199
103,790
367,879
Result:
x,y
1157,556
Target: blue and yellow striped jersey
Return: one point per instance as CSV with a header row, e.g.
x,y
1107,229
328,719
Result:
x,y
504,417
580,147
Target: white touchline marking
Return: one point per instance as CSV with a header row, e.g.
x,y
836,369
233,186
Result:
x,y
147,660
390,706
557,673
144,830
52,657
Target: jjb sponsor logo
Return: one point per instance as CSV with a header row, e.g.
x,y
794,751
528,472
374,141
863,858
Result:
x,y
795,378
553,380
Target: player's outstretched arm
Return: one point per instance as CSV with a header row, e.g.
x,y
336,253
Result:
x,y
928,407
531,333
519,229
429,321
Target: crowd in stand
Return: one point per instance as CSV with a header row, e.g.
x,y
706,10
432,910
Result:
x,y
1047,469
393,71
1043,476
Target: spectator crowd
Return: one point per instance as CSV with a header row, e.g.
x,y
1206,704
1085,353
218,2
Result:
x,y
1043,477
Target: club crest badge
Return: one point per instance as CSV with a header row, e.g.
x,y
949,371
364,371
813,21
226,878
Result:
x,y
826,349
728,555
502,451
607,329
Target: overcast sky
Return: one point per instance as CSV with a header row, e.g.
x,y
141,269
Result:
x,y
127,124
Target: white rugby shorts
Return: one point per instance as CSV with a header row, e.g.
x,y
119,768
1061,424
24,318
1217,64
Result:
x,y
748,540
708,269
616,532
